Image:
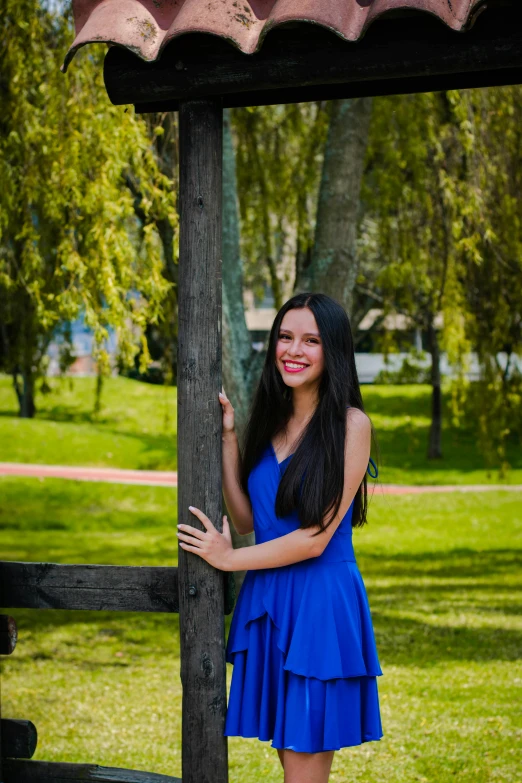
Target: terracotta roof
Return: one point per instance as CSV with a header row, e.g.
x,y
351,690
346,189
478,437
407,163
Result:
x,y
146,26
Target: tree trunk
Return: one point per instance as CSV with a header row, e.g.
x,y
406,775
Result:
x,y
435,436
241,363
25,393
333,266
98,391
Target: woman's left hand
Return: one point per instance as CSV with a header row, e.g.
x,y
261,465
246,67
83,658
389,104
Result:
x,y
214,547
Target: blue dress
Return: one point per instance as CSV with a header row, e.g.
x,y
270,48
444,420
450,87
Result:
x,y
301,639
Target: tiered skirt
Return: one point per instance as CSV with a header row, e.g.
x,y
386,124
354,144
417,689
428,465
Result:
x,y
305,660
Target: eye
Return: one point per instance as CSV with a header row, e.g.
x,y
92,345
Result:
x,y
310,339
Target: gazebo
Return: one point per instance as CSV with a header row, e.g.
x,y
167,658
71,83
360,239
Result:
x,y
198,57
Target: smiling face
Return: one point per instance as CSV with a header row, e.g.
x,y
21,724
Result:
x,y
299,348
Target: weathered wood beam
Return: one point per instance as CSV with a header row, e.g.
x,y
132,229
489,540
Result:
x,y
8,634
370,89
201,587
19,738
19,771
302,62
90,587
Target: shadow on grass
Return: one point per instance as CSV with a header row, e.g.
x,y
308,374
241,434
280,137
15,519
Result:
x,y
458,564
86,638
111,624
423,641
401,641
158,452
405,641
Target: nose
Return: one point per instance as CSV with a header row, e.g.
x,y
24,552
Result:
x,y
293,350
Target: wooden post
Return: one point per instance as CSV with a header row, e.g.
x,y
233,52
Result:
x,y
8,629
201,587
1,772
19,739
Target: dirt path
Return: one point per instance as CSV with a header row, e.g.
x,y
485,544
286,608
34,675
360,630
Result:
x,y
407,489
169,478
161,478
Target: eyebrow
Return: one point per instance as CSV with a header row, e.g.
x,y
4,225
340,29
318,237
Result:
x,y
306,334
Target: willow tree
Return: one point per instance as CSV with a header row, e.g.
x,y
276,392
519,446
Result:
x,y
67,221
415,190
279,155
299,179
491,275
442,188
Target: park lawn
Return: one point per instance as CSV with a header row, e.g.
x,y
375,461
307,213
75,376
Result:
x,y
137,429
401,418
442,573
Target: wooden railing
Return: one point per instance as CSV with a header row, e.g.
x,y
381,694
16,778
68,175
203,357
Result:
x,y
25,585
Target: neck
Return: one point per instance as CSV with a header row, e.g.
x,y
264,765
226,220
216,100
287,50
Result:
x,y
304,402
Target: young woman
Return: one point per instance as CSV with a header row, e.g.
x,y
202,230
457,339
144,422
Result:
x,y
301,637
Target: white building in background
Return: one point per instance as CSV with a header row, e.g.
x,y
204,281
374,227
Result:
x,y
260,317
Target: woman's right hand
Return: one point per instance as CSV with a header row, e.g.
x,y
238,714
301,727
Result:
x,y
228,413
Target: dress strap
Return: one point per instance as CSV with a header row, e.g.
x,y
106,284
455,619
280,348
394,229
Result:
x,y
375,468
372,463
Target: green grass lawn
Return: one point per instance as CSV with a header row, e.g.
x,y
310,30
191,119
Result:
x,y
136,428
138,424
443,577
401,417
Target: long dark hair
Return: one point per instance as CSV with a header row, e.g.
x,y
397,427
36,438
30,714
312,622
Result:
x,y
314,479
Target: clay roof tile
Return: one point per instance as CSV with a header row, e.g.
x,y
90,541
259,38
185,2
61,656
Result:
x,y
146,26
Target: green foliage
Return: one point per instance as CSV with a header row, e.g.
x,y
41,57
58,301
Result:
x,y
279,154
411,189
492,263
69,238
443,213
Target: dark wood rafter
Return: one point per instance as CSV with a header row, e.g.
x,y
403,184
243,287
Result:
x,y
303,62
201,587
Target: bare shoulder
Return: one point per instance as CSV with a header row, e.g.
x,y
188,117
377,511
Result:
x,y
358,437
357,421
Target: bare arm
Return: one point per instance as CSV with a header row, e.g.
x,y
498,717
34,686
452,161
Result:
x,y
299,544
238,504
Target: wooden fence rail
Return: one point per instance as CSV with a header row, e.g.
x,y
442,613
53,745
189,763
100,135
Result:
x,y
91,587
20,771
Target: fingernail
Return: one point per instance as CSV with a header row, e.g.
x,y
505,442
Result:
x,y
190,508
